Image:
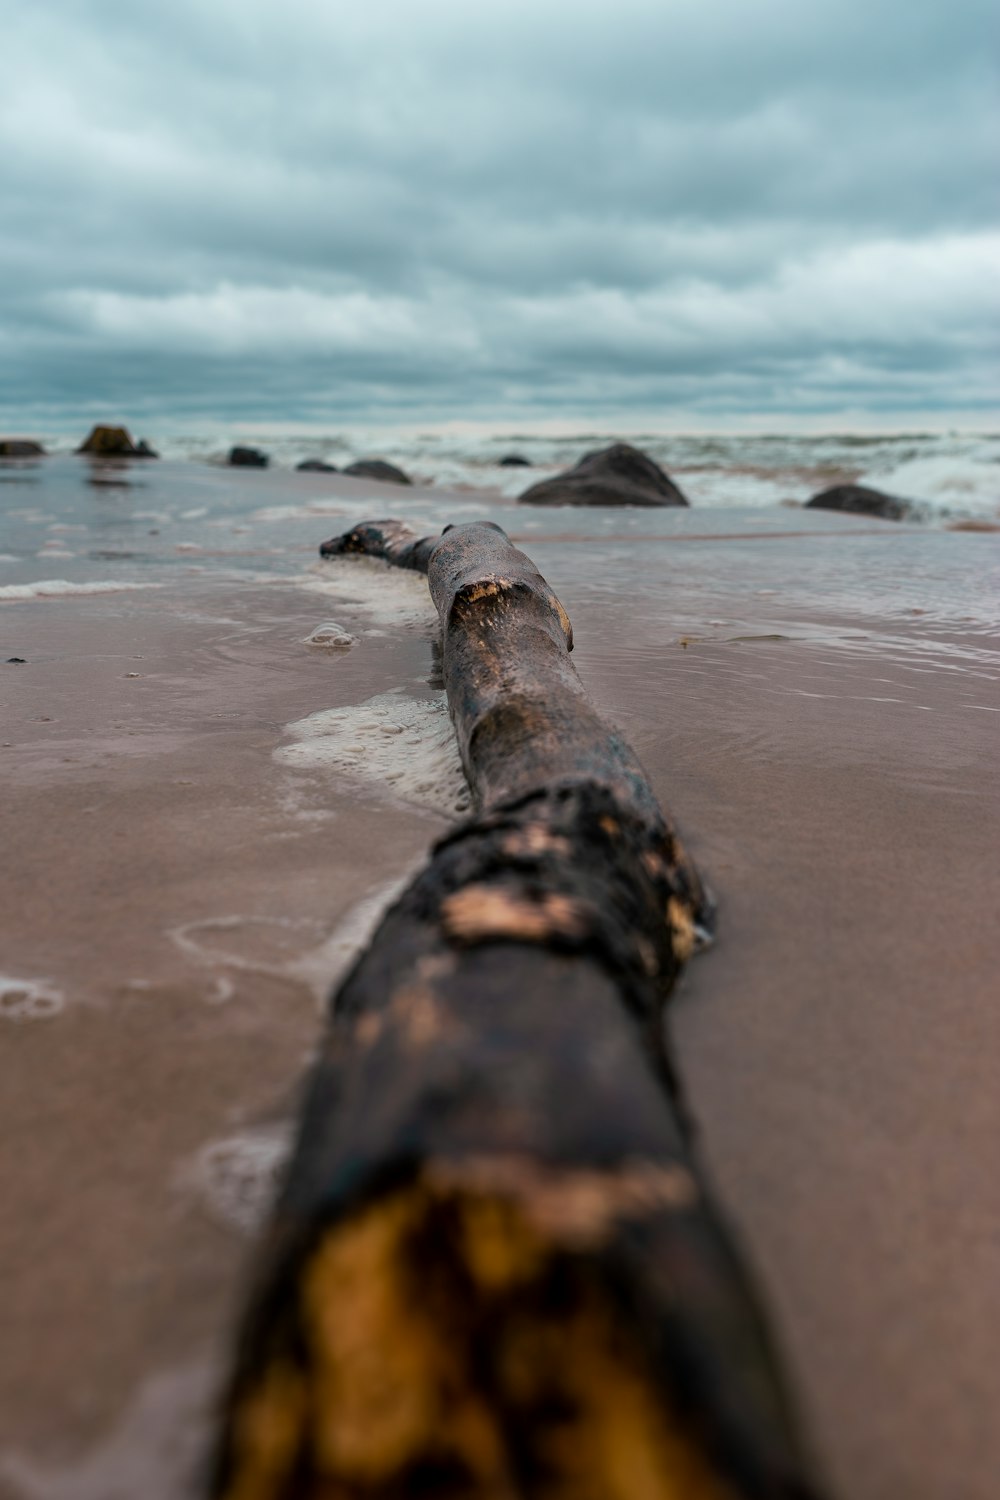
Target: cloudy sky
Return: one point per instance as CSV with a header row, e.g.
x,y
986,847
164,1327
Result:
x,y
418,210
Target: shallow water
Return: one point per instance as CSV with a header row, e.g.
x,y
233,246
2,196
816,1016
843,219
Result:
x,y
61,532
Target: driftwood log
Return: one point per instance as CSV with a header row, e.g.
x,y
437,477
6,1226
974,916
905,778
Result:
x,y
495,1270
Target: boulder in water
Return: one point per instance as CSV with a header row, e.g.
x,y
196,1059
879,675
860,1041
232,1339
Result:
x,y
316,466
248,458
20,448
377,468
515,461
619,475
114,442
858,500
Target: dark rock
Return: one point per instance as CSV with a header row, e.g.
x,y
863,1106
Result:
x,y
248,458
143,450
316,466
17,660
857,500
515,461
112,442
377,468
619,475
20,448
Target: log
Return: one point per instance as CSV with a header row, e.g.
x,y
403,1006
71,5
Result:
x,y
495,1269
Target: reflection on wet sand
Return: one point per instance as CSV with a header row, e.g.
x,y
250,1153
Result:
x,y
107,473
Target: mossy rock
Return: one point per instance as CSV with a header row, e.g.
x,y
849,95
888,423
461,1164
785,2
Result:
x,y
114,442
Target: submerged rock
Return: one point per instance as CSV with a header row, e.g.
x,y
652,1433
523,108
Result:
x,y
248,458
515,461
20,448
377,468
619,475
858,500
114,442
316,466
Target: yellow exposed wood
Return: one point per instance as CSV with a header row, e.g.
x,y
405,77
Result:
x,y
681,925
410,1366
481,912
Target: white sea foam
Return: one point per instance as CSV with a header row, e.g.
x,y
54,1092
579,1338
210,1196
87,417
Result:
x,y
56,588
403,745
29,999
948,483
236,1178
389,596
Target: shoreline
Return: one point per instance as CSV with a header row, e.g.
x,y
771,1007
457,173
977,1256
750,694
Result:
x,y
838,1044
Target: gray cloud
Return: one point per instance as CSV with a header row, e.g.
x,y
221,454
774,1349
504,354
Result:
x,y
293,212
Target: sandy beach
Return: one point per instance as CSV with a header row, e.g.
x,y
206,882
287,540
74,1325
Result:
x,y
181,883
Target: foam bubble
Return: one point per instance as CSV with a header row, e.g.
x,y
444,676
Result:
x,y
331,636
29,999
237,1177
405,746
54,588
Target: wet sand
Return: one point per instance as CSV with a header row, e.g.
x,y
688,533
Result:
x,y
171,880
178,884
841,1041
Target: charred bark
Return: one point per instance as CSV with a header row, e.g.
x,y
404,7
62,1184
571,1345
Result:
x,y
495,1270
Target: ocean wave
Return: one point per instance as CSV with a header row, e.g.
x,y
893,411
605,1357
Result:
x,y
58,588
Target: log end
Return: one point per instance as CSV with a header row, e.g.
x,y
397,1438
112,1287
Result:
x,y
445,1341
